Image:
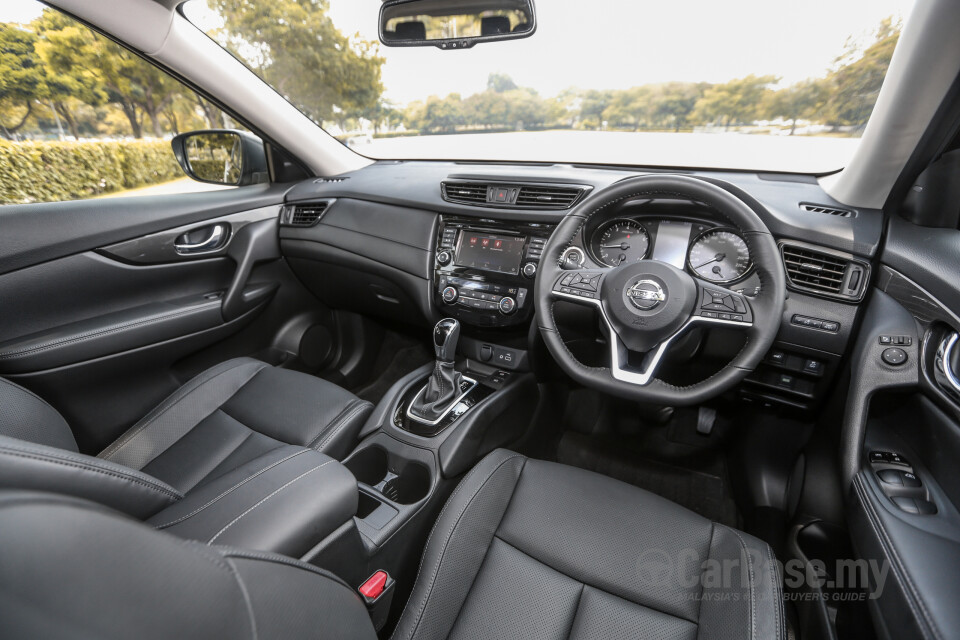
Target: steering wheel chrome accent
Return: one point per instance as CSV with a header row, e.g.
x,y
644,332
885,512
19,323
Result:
x,y
645,307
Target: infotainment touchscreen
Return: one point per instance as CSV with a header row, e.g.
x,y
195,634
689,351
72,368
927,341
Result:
x,y
490,252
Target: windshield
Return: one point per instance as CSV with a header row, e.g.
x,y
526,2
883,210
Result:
x,y
748,84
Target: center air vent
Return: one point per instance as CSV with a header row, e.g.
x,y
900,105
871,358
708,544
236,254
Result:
x,y
826,273
303,215
830,211
515,196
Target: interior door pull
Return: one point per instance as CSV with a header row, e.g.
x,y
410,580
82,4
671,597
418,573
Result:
x,y
214,241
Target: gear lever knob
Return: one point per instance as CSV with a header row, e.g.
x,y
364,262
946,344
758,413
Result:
x,y
445,337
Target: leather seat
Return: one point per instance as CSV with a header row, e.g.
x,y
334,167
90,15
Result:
x,y
228,439
522,549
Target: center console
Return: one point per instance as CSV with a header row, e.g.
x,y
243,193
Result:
x,y
485,269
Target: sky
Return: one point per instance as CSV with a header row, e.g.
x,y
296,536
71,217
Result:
x,y
610,44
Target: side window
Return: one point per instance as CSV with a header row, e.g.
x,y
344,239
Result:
x,y
82,117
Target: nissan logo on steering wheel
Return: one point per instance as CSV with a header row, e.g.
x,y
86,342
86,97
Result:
x,y
646,294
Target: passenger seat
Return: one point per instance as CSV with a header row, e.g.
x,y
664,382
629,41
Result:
x,y
243,454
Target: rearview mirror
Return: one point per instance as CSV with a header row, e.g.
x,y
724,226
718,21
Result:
x,y
454,24
221,156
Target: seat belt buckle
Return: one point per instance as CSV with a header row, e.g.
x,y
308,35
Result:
x,y
377,594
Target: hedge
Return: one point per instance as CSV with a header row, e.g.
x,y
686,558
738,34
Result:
x,y
52,171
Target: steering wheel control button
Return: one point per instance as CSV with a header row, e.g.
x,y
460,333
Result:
x,y
894,356
507,305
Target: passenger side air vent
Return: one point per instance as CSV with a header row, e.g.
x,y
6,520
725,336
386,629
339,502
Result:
x,y
517,196
830,211
465,192
548,197
824,272
303,215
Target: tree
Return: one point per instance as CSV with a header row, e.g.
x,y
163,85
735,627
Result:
x,y
295,47
736,101
801,100
500,83
675,101
856,81
22,78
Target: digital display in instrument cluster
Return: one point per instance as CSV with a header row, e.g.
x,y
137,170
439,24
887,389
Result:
x,y
500,253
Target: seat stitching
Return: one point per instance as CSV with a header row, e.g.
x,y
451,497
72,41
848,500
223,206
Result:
x,y
115,447
237,519
246,596
576,610
230,490
449,534
344,423
888,545
776,590
79,464
593,586
102,332
746,552
335,419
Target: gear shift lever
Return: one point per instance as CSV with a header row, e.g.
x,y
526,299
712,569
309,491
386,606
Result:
x,y
443,387
445,337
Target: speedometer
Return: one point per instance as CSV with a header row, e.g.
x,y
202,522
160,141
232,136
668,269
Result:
x,y
620,242
719,255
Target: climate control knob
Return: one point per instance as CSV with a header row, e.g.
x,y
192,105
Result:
x,y
450,295
507,305
444,258
530,269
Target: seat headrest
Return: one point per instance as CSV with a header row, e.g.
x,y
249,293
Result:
x,y
494,25
411,31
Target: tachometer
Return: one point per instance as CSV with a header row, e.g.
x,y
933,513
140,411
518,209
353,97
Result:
x,y
620,242
719,255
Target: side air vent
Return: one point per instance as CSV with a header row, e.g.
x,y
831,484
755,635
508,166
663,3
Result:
x,y
830,211
465,192
303,215
515,196
823,272
548,197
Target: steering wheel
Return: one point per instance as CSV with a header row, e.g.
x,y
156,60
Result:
x,y
646,306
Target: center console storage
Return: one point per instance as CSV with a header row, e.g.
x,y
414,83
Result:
x,y
484,269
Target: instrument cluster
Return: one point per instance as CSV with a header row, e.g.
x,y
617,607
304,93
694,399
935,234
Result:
x,y
709,251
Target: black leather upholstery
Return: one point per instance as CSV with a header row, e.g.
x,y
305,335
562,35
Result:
x,y
284,501
73,569
236,455
532,549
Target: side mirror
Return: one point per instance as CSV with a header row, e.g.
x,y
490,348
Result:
x,y
454,24
222,156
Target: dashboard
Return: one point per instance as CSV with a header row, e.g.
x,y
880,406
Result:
x,y
411,242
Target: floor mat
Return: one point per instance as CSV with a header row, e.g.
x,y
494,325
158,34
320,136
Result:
x,y
701,492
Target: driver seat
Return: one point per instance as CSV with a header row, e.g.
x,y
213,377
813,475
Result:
x,y
522,549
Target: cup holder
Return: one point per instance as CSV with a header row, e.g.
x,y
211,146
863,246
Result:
x,y
400,481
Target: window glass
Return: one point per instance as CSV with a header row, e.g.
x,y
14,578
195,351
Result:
x,y
82,117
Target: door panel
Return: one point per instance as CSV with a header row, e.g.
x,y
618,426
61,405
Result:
x,y
902,419
100,304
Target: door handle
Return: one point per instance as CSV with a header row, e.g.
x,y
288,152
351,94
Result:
x,y
216,238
